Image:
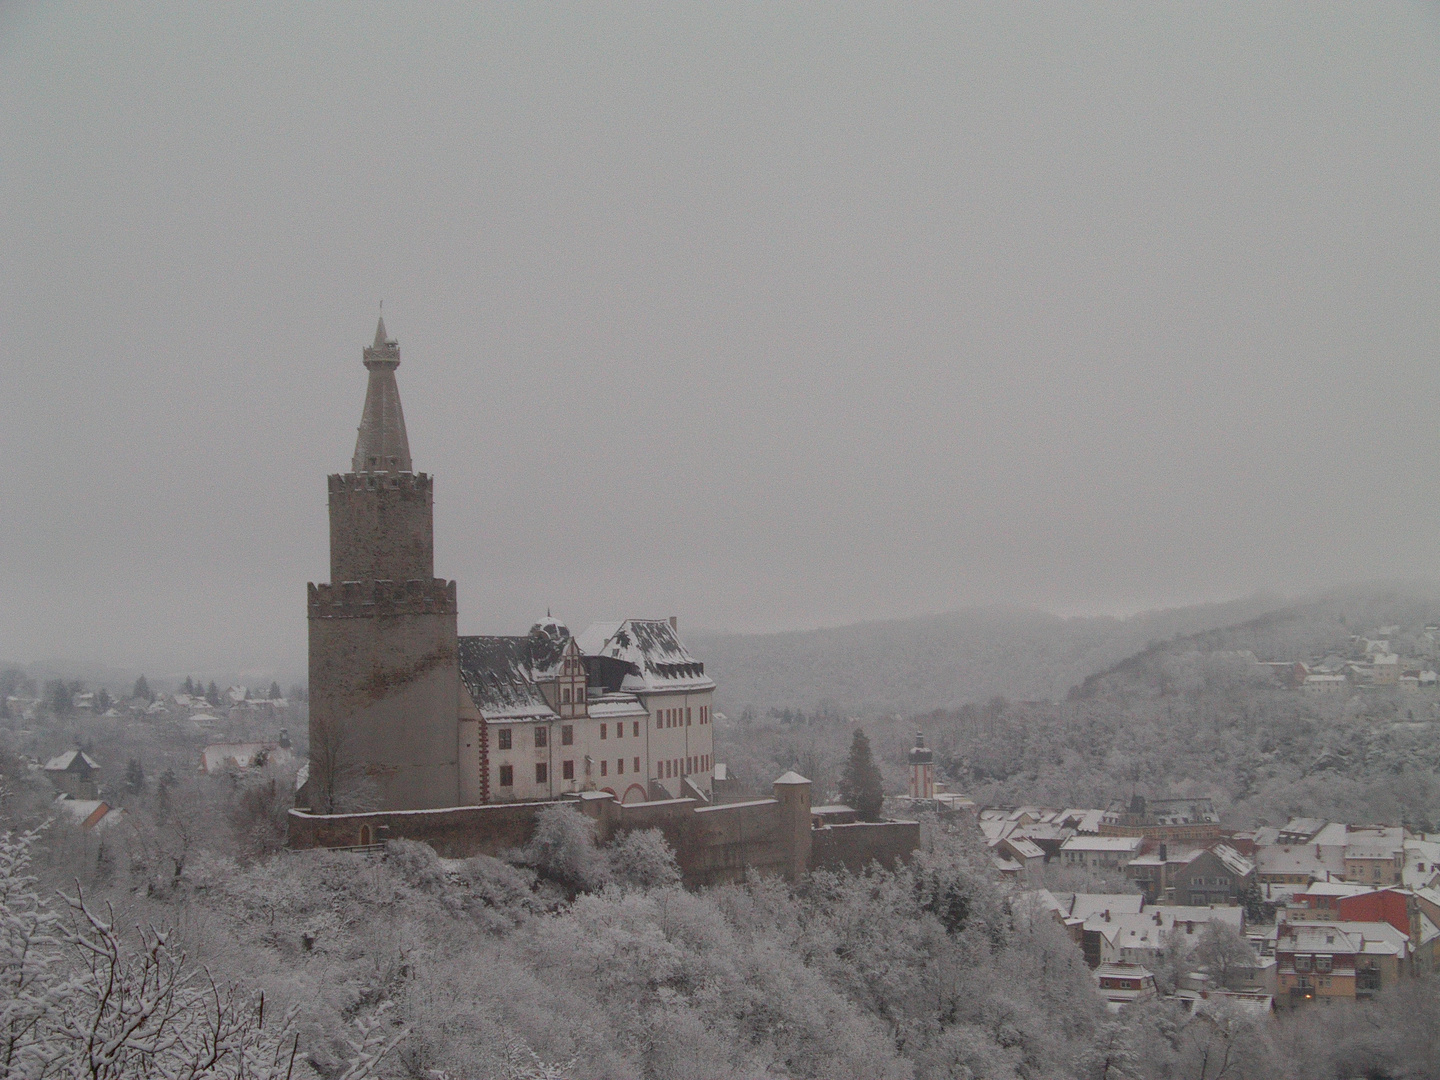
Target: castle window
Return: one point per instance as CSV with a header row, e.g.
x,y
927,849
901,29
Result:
x,y
620,766
620,730
507,776
636,767
688,711
565,696
542,772
659,720
604,766
542,736
567,770
567,735
636,732
603,731
502,738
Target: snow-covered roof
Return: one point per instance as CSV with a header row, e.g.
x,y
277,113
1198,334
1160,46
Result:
x,y
71,761
1422,862
1301,828
1300,859
1025,849
1336,888
499,673
652,647
220,756
1345,937
89,813
1378,843
1083,905
1234,862
611,706
790,778
1103,843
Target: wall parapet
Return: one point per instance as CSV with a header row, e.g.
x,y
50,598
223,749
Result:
x,y
368,599
341,483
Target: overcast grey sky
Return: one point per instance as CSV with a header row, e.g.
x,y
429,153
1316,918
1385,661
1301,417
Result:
x,y
770,316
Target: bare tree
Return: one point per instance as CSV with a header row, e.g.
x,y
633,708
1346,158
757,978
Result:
x,y
338,783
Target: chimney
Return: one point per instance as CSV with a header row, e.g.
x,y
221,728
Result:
x,y
1163,852
1107,914
675,623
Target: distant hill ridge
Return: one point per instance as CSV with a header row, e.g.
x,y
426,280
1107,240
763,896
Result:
x,y
943,661
1301,631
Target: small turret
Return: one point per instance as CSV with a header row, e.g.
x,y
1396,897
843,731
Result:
x,y
922,769
381,445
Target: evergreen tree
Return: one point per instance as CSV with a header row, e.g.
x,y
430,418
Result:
x,y
102,700
212,694
861,786
142,690
189,686
59,697
275,691
134,776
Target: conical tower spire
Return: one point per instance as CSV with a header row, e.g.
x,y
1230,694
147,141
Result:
x,y
382,446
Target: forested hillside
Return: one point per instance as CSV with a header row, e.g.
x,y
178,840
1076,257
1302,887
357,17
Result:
x,y
940,661
1192,715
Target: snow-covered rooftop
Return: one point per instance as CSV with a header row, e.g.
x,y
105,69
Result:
x,y
71,761
653,649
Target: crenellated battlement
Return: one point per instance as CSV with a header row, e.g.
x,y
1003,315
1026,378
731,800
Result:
x,y
371,599
341,483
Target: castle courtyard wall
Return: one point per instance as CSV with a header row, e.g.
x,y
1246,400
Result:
x,y
857,845
713,845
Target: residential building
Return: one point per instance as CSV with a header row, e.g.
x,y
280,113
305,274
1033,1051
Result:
x,y
1338,960
1124,984
1099,852
1191,820
75,773
1375,856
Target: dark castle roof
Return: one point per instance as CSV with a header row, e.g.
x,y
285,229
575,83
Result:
x,y
499,673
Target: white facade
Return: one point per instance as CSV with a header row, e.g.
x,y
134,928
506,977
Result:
x,y
635,723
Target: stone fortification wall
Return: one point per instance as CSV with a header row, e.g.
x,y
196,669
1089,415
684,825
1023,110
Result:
x,y
857,845
381,527
455,833
713,844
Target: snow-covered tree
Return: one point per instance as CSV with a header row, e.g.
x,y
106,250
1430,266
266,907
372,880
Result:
x,y
861,786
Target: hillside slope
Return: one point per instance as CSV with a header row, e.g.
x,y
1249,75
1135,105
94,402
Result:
x,y
941,661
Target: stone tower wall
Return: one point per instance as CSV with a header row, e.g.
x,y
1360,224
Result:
x,y
382,527
384,688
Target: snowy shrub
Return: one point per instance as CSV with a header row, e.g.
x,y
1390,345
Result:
x,y
642,859
417,865
500,894
563,850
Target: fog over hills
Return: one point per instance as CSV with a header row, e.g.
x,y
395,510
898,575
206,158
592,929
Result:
x,y
943,661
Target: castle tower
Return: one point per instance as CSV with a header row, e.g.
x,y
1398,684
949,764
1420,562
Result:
x,y
384,677
922,769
